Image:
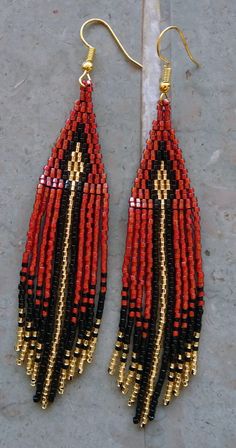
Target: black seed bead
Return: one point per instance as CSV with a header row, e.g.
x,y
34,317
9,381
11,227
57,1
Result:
x,y
68,333
169,311
155,298
46,330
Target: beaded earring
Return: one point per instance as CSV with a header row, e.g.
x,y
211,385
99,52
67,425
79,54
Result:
x,y
162,277
65,257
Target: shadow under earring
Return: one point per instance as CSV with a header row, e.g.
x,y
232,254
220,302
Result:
x,y
162,277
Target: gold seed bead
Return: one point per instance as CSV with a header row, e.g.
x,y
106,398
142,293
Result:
x,y
20,338
113,362
169,386
44,403
22,353
93,341
135,391
121,374
31,353
72,368
91,349
62,381
186,374
82,361
74,360
130,378
144,420
61,300
35,367
177,384
161,324
194,363
122,367
87,65
83,356
34,374
136,386
178,377
29,364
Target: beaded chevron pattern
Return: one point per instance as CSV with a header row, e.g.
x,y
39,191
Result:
x,y
162,278
59,311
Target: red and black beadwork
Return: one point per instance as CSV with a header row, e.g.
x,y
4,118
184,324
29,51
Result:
x,y
59,315
162,293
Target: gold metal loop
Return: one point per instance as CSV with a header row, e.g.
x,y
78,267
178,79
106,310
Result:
x,y
183,38
88,64
85,73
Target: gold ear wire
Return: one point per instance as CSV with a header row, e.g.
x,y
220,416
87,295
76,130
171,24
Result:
x,y
87,65
165,82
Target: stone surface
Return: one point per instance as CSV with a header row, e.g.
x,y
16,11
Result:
x,y
151,64
41,55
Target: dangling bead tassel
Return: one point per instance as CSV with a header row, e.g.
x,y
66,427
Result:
x,y
59,313
162,294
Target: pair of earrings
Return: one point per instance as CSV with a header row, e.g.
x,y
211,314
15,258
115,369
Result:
x,y
63,278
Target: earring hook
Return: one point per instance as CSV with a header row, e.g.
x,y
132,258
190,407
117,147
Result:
x,y
88,64
165,82
184,40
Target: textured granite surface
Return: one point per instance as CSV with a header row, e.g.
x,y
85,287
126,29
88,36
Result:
x,y
40,63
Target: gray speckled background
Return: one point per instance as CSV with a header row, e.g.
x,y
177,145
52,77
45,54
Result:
x,y
40,62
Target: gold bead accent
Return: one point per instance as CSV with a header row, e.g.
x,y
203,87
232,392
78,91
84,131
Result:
x,y
72,368
63,374
35,366
136,387
91,349
163,303
24,348
44,403
74,360
168,394
20,338
144,420
83,356
82,361
113,362
177,384
122,367
34,374
195,353
186,374
61,302
31,353
169,386
178,378
115,355
186,366
62,380
130,378
93,341
135,391
121,374
165,82
194,363
22,354
87,65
